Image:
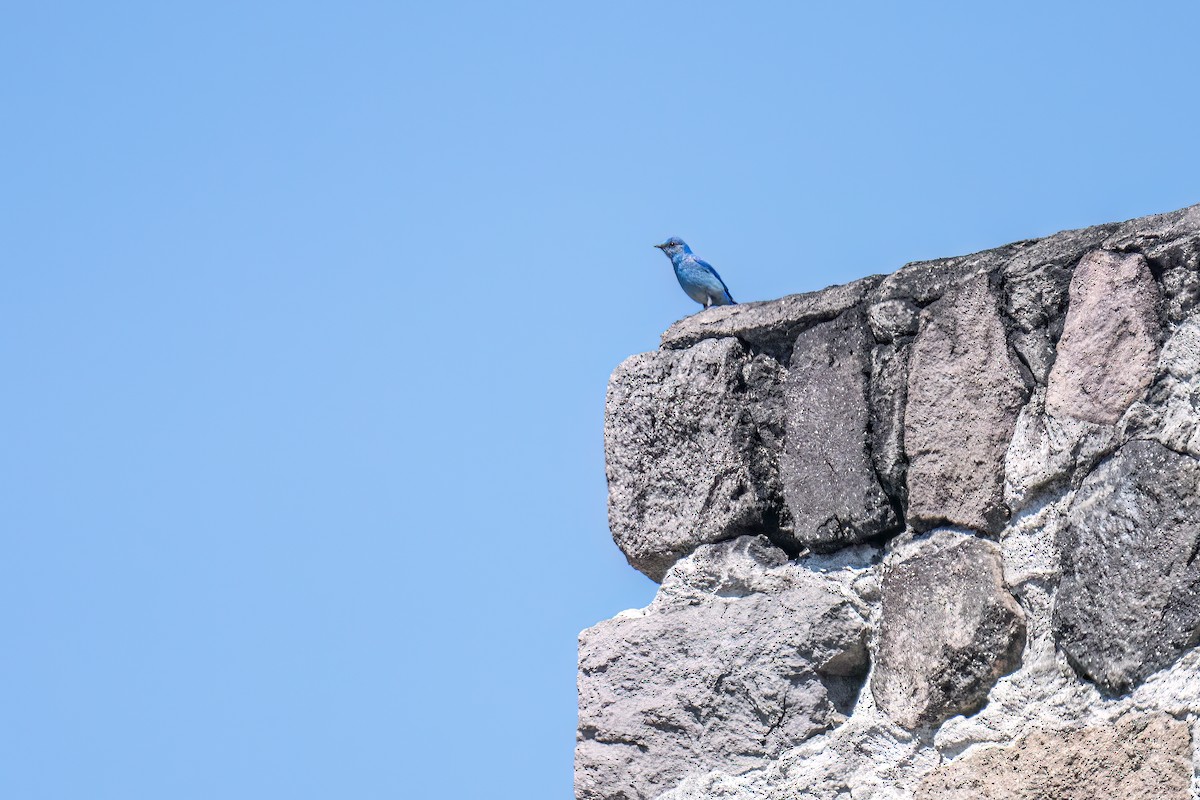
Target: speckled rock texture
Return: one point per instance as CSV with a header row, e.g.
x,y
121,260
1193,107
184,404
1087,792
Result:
x,y
834,496
1109,345
948,629
965,390
740,657
1144,756
1129,599
692,439
934,534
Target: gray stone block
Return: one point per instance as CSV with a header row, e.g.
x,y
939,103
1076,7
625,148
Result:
x,y
949,629
826,470
965,391
740,657
692,440
1129,601
1109,346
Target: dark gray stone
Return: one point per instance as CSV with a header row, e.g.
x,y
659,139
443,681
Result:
x,y
828,480
965,391
692,440
1177,263
1035,295
949,629
740,657
1129,601
887,398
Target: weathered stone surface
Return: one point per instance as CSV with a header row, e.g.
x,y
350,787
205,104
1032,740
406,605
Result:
x,y
1171,413
964,394
1105,360
920,283
1109,345
1171,243
1049,454
1129,600
1176,264
949,629
829,484
740,657
894,318
1143,756
1097,551
1035,273
887,399
769,327
1035,294
692,439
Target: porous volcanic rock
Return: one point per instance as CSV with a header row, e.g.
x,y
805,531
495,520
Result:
x,y
985,470
692,439
1129,600
1109,345
829,483
949,629
740,657
965,391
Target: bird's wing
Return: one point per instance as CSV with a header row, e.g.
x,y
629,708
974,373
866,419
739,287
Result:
x,y
707,267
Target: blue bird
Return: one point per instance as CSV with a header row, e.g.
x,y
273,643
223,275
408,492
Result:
x,y
696,276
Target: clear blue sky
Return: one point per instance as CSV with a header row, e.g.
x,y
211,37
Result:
x,y
308,310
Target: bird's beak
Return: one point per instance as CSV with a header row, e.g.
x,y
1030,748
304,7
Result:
x,y
661,246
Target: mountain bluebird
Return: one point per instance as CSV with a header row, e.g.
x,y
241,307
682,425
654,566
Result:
x,y
697,277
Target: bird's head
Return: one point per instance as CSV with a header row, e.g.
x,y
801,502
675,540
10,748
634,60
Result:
x,y
674,246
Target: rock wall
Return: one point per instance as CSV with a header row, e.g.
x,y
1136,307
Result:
x,y
930,535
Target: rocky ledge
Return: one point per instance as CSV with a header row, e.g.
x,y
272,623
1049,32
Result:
x,y
928,535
